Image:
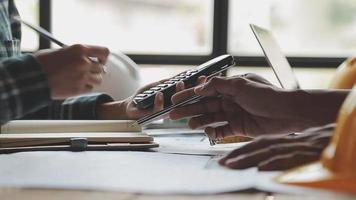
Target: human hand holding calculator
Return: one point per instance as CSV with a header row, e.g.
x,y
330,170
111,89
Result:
x,y
190,77
168,88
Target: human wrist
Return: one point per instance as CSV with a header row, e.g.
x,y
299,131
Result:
x,y
112,111
317,107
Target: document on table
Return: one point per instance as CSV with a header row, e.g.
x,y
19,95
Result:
x,y
184,163
138,172
141,172
188,142
194,145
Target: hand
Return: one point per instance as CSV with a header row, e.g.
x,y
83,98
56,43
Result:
x,y
127,109
69,70
132,112
250,105
281,152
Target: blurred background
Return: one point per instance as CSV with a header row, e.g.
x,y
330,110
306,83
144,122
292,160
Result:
x,y
165,37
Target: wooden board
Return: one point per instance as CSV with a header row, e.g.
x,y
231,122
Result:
x,y
70,126
23,140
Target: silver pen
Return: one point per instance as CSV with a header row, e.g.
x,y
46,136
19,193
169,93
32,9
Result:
x,y
152,117
211,141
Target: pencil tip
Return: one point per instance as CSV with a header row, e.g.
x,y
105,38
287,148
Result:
x,y
134,124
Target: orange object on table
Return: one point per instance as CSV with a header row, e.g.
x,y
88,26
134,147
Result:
x,y
234,139
337,168
345,76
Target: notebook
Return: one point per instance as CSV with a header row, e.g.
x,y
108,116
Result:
x,y
65,126
73,135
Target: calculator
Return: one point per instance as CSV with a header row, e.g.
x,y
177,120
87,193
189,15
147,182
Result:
x,y
168,88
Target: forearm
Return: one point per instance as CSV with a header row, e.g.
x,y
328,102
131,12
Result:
x,y
23,88
317,107
112,111
77,108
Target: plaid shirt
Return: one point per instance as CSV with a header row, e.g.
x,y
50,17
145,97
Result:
x,y
24,90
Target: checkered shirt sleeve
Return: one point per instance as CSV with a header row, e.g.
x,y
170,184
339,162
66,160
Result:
x,y
24,90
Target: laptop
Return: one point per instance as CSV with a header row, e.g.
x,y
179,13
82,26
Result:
x,y
276,59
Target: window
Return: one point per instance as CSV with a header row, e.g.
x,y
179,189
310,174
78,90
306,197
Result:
x,y
318,28
317,33
136,26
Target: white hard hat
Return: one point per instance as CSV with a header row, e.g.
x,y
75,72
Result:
x,y
122,78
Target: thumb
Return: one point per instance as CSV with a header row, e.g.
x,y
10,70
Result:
x,y
219,86
101,53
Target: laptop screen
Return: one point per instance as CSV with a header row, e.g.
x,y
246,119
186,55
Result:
x,y
275,58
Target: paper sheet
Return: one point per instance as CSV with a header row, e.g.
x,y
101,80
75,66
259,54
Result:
x,y
141,172
138,172
188,142
193,145
164,172
174,132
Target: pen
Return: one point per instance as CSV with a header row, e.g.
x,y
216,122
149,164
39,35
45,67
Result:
x,y
211,141
44,33
152,117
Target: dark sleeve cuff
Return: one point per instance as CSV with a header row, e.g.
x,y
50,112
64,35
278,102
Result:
x,y
25,86
80,108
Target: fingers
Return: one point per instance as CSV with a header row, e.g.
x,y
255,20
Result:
x,y
158,105
255,78
135,113
180,86
84,82
220,132
159,102
321,140
201,80
319,136
182,95
263,155
219,85
185,94
101,53
258,143
279,152
95,79
96,68
88,70
204,120
204,106
95,52
288,161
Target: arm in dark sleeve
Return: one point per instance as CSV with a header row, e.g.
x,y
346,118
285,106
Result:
x,y
24,94
76,108
23,87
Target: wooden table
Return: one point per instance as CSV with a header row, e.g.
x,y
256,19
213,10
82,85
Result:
x,y
44,194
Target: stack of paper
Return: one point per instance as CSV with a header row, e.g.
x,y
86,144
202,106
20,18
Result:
x,y
72,135
138,172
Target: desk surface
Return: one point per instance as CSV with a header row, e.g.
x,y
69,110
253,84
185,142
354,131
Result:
x,y
37,194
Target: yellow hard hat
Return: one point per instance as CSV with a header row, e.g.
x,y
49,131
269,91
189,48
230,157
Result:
x,y
344,78
345,75
337,168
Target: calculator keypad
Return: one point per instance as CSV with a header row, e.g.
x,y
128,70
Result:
x,y
146,99
152,91
148,92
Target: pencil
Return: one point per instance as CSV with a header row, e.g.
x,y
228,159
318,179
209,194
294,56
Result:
x,y
234,139
44,33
